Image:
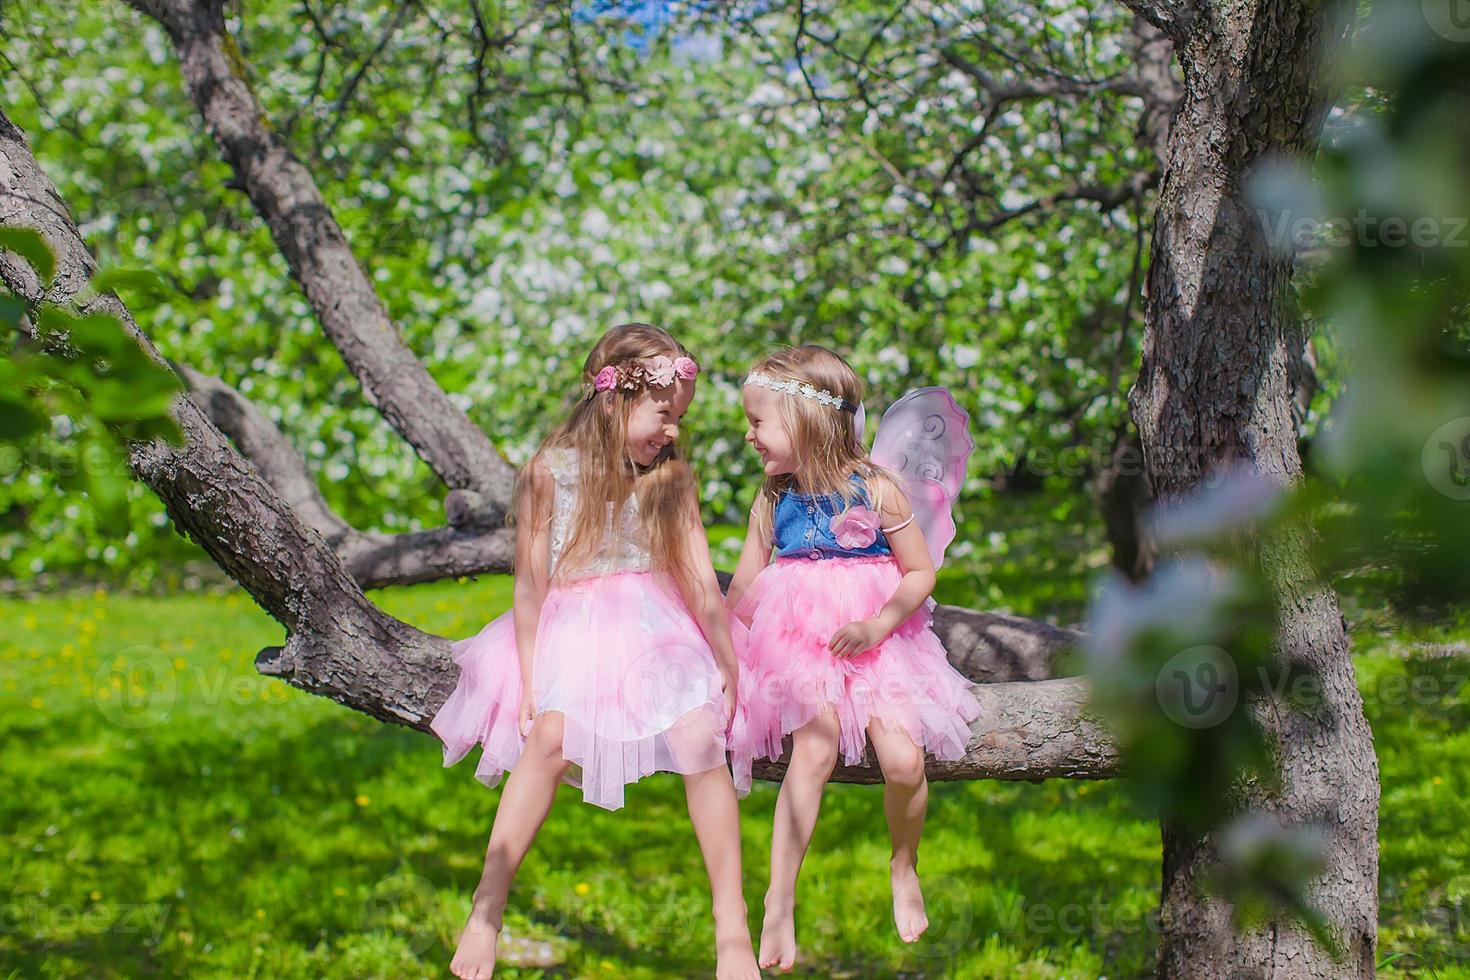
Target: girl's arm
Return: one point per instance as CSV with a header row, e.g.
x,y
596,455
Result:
x,y
708,609
754,556
916,585
532,572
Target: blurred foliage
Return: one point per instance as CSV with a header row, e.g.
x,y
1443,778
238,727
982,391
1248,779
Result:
x,y
509,207
74,387
1377,223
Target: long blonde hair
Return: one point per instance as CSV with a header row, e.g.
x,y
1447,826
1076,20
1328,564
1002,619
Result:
x,y
823,438
597,429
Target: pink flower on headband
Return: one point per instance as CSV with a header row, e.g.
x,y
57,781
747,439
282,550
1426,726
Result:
x,y
685,367
856,527
606,378
659,370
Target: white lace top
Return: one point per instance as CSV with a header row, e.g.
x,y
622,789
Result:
x,y
624,551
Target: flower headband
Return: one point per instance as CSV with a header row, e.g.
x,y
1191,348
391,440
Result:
x,y
658,372
803,389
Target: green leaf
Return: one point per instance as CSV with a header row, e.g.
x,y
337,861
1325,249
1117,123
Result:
x,y
12,309
107,486
29,245
19,420
144,282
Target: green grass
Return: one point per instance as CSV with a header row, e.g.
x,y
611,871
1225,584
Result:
x,y
210,822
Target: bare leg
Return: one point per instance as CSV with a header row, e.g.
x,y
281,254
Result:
x,y
524,804
716,817
905,801
813,754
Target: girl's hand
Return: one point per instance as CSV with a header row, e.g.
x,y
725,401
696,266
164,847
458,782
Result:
x,y
527,713
729,684
856,637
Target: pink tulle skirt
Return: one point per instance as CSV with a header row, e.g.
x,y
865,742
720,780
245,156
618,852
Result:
x,y
622,659
788,675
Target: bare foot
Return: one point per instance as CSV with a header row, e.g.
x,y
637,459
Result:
x,y
734,959
778,934
908,902
475,957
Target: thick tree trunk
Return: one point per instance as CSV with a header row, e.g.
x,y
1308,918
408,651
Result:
x,y
1221,365
1123,497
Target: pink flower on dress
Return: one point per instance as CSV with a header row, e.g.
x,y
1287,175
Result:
x,y
659,370
856,527
606,378
685,367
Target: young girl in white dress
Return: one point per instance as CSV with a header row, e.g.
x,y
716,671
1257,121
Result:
x,y
615,660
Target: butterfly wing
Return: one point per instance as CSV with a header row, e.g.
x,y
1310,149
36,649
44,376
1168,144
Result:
x,y
925,438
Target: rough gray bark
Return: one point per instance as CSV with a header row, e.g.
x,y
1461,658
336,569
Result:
x,y
285,195
341,646
1221,366
373,558
1123,498
1026,730
994,648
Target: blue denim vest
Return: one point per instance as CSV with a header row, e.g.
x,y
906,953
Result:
x,y
802,526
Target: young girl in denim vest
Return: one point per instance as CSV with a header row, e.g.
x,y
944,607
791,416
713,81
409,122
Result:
x,y
839,652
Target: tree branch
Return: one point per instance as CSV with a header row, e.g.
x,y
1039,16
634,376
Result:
x,y
395,381
1174,17
373,558
338,643
1028,730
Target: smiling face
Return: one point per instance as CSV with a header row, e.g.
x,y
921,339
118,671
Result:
x,y
653,421
766,430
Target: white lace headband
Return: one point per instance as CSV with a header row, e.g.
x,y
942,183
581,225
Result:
x,y
801,388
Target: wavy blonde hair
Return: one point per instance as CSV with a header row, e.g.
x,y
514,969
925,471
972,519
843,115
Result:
x,y
823,440
597,429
